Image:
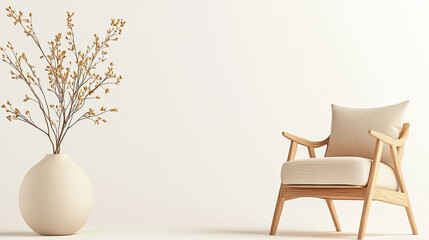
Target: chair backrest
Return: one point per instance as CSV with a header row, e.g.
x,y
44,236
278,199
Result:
x,y
349,130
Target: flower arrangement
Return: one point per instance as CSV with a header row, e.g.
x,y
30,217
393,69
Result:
x,y
70,83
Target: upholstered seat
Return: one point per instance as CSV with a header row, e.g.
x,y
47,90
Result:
x,y
353,171
362,161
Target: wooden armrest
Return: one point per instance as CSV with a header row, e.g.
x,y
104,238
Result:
x,y
305,142
386,139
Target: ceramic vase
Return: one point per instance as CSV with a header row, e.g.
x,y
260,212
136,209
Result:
x,y
56,196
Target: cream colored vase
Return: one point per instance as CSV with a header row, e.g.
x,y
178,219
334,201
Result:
x,y
55,196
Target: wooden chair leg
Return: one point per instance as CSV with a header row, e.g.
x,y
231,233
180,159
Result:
x,y
411,219
277,212
369,195
364,218
333,214
400,178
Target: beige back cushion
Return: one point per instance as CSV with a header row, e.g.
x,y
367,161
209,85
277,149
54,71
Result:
x,y
349,130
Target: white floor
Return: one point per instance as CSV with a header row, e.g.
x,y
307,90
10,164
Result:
x,y
204,234
304,219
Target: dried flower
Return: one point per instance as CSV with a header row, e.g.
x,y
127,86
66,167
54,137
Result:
x,y
72,82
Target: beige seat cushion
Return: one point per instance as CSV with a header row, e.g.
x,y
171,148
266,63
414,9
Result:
x,y
336,171
349,130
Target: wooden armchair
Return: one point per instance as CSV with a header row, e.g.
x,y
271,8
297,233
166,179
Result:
x,y
368,192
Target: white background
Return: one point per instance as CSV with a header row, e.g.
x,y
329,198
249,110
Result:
x,y
208,87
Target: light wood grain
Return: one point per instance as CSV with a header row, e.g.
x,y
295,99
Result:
x,y
325,193
305,142
311,152
345,192
403,135
329,202
386,139
321,186
292,150
277,212
390,196
370,188
334,216
411,219
400,178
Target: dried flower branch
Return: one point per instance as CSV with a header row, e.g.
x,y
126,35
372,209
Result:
x,y
71,82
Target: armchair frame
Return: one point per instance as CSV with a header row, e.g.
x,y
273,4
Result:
x,y
367,193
